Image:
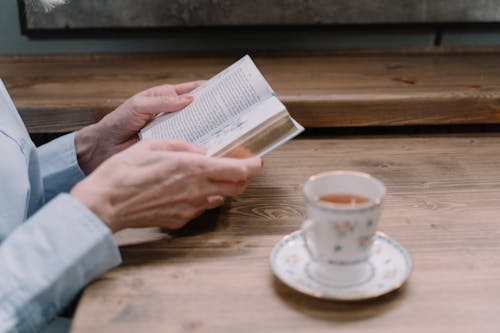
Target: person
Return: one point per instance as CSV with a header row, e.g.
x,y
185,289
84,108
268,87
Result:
x,y
61,202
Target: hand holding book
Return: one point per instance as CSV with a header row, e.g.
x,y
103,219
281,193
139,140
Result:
x,y
234,114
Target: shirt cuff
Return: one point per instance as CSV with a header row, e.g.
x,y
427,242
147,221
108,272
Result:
x,y
88,243
50,258
59,165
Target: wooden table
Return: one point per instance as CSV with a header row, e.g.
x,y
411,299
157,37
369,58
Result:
x,y
443,205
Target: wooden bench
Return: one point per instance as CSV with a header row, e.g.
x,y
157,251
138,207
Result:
x,y
63,93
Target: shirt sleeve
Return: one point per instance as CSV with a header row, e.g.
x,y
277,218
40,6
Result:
x,y
59,166
46,261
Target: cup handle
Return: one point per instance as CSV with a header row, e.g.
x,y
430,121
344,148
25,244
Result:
x,y
306,229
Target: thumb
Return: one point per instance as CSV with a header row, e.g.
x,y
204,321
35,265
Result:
x,y
156,105
254,165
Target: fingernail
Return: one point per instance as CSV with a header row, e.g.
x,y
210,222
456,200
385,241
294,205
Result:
x,y
187,98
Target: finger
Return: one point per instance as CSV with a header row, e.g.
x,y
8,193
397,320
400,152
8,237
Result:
x,y
221,169
231,169
175,146
156,105
186,87
254,165
214,201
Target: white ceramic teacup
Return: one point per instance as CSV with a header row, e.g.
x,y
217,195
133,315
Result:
x,y
339,236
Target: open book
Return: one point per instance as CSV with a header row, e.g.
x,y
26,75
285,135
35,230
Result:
x,y
235,114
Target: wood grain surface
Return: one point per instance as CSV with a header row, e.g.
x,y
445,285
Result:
x,y
63,93
443,205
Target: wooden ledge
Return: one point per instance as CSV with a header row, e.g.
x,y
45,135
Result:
x,y
63,93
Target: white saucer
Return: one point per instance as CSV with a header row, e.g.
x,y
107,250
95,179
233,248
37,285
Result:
x,y
390,266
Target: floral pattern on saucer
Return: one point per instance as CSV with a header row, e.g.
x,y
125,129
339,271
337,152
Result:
x,y
390,264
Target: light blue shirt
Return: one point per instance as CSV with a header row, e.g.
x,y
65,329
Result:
x,y
51,245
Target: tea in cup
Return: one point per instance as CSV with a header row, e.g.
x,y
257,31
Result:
x,y
343,210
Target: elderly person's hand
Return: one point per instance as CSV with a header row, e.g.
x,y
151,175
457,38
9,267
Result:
x,y
118,130
162,183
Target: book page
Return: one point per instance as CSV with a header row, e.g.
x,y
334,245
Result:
x,y
222,98
256,131
242,124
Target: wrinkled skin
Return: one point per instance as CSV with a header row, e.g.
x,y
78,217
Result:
x,y
118,130
133,184
162,183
